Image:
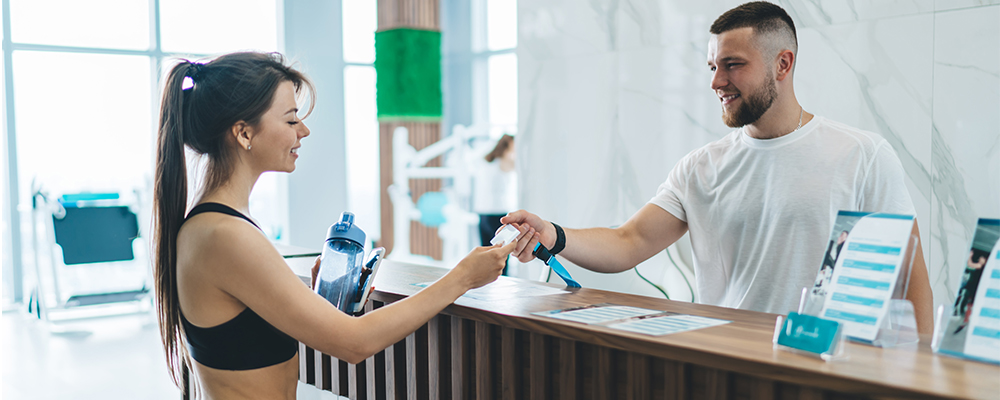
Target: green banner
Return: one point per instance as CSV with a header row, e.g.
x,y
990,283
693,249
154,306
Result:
x,y
408,66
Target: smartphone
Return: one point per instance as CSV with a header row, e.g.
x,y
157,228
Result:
x,y
368,277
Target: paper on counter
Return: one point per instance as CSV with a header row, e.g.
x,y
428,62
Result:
x,y
657,325
597,313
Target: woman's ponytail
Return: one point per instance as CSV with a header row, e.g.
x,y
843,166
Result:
x,y
170,205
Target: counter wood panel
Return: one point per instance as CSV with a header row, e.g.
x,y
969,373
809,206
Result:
x,y
498,350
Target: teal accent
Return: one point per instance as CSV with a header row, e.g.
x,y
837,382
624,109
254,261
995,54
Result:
x,y
846,316
996,273
872,248
986,332
556,266
809,333
852,214
989,221
863,283
431,206
990,313
869,266
846,298
994,293
891,216
963,355
75,197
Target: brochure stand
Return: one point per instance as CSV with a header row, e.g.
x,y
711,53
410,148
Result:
x,y
824,337
898,327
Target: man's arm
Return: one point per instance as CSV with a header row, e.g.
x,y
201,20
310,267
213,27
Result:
x,y
607,250
919,292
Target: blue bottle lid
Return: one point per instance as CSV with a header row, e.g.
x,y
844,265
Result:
x,y
345,229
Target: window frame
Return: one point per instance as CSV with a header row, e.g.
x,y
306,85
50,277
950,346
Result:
x,y
12,208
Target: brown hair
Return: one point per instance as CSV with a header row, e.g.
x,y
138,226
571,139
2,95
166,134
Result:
x,y
505,142
765,18
232,88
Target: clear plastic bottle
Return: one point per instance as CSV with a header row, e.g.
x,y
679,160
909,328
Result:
x,y
341,263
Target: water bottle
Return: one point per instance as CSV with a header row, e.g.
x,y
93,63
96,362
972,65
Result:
x,y
341,263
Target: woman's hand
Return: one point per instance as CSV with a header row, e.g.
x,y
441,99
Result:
x,y
483,265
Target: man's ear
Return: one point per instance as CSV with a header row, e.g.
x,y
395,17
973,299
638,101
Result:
x,y
242,132
785,62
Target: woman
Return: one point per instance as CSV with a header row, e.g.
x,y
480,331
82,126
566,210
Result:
x,y
495,188
221,285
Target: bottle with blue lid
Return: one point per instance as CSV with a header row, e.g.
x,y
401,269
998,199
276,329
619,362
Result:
x,y
341,263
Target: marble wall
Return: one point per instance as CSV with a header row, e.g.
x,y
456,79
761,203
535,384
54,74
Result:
x,y
612,93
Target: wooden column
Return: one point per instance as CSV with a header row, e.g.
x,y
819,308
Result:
x,y
417,14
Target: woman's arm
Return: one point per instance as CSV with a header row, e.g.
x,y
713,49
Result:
x,y
246,266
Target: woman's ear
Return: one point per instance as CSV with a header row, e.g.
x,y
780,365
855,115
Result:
x,y
241,131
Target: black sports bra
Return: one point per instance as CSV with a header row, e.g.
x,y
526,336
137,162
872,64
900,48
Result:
x,y
245,342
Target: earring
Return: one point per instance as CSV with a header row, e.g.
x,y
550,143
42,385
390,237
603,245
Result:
x,y
248,147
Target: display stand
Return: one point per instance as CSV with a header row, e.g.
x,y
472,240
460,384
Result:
x,y
946,329
899,328
969,327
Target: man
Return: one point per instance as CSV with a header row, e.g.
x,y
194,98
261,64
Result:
x,y
758,203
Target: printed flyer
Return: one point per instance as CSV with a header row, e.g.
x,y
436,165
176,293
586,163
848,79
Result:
x,y
633,319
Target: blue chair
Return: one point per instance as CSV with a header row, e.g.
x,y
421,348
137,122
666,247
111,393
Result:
x,y
87,229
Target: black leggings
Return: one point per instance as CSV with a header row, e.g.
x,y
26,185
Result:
x,y
488,225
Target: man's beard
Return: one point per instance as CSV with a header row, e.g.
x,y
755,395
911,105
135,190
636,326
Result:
x,y
753,106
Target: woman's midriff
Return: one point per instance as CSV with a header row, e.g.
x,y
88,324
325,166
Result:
x,y
278,381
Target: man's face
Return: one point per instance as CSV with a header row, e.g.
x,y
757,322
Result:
x,y
741,77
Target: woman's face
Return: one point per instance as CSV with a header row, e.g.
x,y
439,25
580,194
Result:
x,y
278,135
511,153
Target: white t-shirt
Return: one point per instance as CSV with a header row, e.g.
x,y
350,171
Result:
x,y
760,212
495,191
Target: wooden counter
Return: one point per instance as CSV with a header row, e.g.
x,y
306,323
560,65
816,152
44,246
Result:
x,y
488,350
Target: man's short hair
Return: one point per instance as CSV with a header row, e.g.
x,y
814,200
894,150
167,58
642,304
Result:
x,y
773,27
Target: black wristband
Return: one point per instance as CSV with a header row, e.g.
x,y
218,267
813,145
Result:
x,y
560,240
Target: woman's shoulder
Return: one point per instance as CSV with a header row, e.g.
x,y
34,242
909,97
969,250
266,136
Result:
x,y
215,232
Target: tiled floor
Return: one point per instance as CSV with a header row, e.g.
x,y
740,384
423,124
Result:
x,y
106,358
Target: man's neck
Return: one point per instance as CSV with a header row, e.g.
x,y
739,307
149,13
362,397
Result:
x,y
781,119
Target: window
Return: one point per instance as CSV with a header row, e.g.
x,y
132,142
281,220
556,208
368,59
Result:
x,y
87,87
360,118
494,90
500,83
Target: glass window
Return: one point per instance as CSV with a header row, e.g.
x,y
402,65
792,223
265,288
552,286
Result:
x,y
81,127
362,141
360,23
269,204
502,89
122,24
501,24
218,26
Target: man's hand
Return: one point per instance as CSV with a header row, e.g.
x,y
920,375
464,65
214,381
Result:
x,y
533,230
315,273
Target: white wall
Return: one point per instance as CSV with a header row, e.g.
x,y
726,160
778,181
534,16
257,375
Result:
x,y
317,190
614,93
